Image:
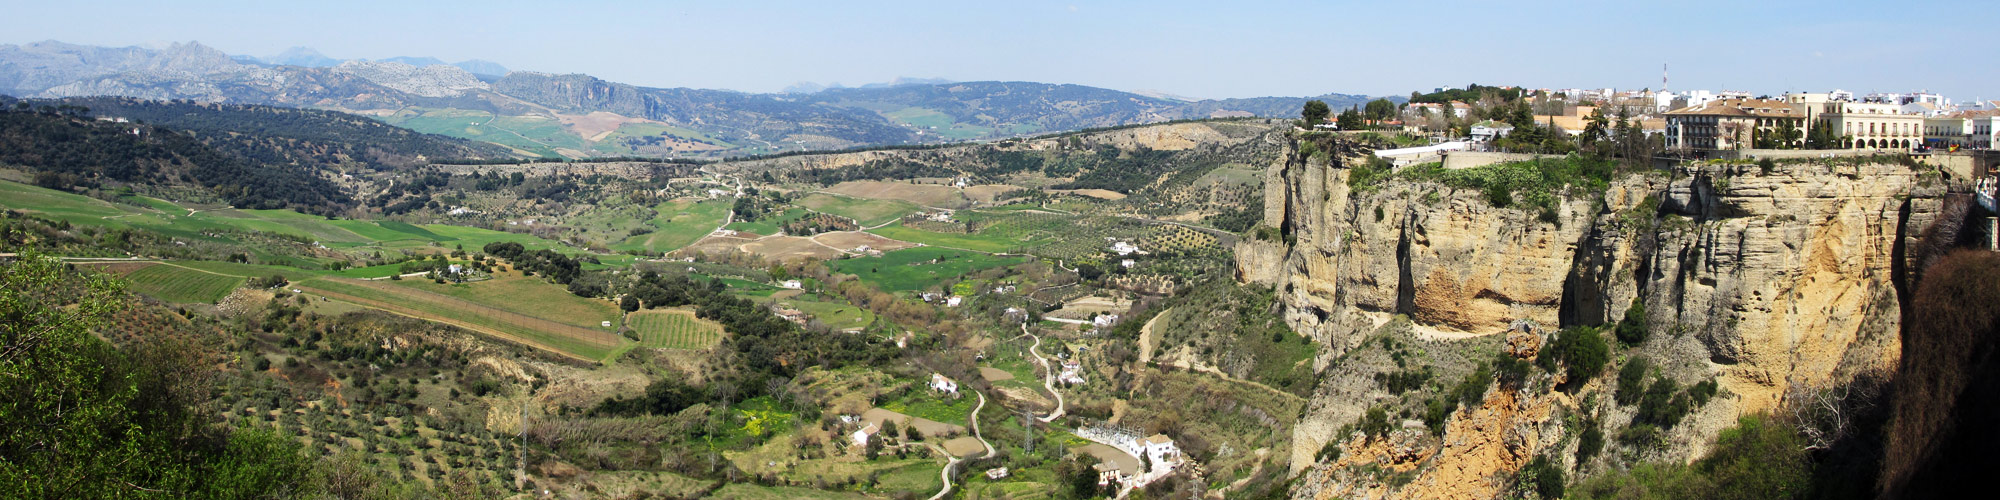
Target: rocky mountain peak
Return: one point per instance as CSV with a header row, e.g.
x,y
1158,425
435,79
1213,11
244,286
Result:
x,y
427,81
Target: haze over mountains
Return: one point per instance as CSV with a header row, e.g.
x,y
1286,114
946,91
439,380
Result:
x,y
575,115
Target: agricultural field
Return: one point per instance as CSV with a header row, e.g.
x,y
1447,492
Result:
x,y
510,291
174,283
837,316
852,241
584,343
787,248
673,329
769,225
539,135
933,122
866,212
929,195
679,223
921,402
920,268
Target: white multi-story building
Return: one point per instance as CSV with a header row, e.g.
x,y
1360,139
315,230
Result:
x,y
1965,129
1862,125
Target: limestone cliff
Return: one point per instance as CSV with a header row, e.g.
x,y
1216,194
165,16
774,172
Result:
x,y
1759,279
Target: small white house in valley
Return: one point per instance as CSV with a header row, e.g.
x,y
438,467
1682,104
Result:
x,y
860,437
941,383
791,284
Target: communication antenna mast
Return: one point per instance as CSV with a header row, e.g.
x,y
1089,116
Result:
x,y
1663,78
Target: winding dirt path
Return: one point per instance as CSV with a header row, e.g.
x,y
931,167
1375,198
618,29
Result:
x,y
1048,375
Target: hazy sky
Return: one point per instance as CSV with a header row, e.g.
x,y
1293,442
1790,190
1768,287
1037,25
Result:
x,y
1199,48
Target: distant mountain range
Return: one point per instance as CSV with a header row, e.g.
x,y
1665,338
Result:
x,y
538,114
309,58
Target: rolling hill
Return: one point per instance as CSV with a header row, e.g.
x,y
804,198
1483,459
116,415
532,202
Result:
x,y
576,115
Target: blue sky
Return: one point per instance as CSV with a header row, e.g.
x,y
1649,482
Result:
x,y
1197,48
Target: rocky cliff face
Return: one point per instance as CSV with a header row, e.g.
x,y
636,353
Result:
x,y
1761,280
427,81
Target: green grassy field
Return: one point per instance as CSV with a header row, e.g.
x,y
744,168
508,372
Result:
x,y
525,295
769,225
678,224
585,343
936,122
922,403
614,141
534,134
913,268
865,212
838,316
674,329
179,284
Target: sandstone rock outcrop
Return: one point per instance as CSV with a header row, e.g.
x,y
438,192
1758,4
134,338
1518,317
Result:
x,y
1761,280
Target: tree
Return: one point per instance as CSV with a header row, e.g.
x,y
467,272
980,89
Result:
x,y
1352,120
1633,329
628,303
1787,134
1595,128
1381,109
1315,113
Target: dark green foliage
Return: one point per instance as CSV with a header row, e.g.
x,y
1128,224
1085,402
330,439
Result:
x,y
1329,451
1314,113
1581,350
1543,477
1375,423
1401,381
1760,458
1471,391
71,151
1436,411
1468,94
1702,391
1633,329
85,419
1590,442
1632,380
273,135
1510,370
1663,405
665,396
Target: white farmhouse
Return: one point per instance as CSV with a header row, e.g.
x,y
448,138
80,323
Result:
x,y
1124,248
861,436
941,383
791,284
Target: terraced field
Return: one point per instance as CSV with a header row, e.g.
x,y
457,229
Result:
x,y
173,283
674,329
582,343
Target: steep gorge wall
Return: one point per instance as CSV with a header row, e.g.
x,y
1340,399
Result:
x,y
1763,280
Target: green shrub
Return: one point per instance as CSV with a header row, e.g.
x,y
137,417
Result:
x,y
1761,457
1632,330
1590,442
1701,392
1330,450
1471,391
1581,350
1663,405
1543,477
1632,381
1376,422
